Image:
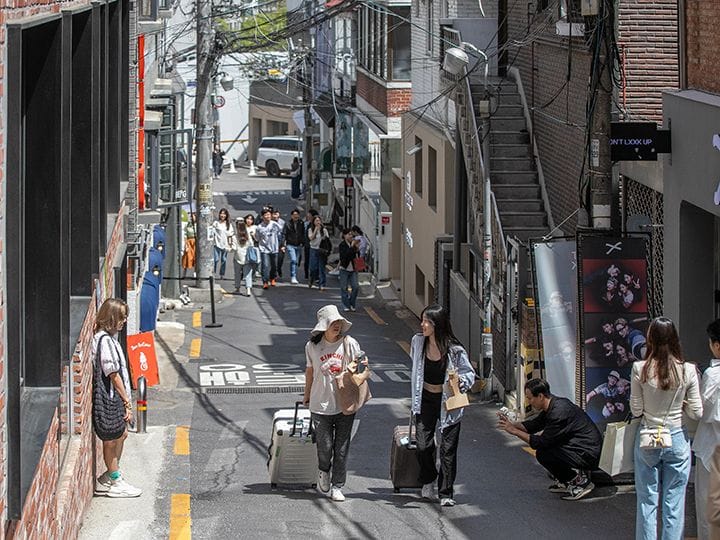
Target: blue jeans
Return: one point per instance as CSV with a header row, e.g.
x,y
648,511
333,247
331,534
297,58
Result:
x,y
667,470
219,255
317,267
243,272
348,278
269,266
295,253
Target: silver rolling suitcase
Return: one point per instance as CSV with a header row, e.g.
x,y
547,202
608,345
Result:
x,y
292,454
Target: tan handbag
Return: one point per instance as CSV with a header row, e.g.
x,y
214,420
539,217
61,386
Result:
x,y
353,389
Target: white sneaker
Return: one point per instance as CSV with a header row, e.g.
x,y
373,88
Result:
x,y
447,501
323,481
294,281
428,491
336,494
120,489
352,308
103,483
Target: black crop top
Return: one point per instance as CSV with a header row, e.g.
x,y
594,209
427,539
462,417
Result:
x,y
435,371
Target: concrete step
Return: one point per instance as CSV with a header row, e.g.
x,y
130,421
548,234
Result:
x,y
523,219
498,136
509,150
525,233
512,164
517,191
508,109
513,177
519,205
510,123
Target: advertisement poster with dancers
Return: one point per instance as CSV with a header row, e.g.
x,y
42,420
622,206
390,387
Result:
x,y
613,298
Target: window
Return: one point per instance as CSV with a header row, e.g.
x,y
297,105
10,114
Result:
x,y
420,284
399,45
418,167
432,177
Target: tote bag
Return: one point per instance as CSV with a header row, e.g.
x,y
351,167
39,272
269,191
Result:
x,y
616,456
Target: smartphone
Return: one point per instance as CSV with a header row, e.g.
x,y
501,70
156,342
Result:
x,y
360,357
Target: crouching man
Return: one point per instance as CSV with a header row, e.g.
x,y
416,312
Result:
x,y
565,439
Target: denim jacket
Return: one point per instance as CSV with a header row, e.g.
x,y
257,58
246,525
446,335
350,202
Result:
x,y
458,358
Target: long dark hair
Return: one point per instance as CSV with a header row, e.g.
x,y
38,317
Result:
x,y
663,349
241,231
227,217
440,318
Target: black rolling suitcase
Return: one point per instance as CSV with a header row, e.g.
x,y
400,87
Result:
x,y
404,465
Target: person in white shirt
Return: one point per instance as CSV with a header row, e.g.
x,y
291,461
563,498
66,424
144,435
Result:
x,y
223,237
707,436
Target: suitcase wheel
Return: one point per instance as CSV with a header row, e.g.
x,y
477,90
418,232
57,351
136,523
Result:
x,y
396,490
273,485
314,486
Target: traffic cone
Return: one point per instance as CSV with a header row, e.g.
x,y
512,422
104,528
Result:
x,y
232,167
253,171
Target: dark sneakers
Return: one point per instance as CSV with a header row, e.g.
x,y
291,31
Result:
x,y
558,487
579,488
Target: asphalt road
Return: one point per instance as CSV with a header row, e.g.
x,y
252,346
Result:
x,y
204,470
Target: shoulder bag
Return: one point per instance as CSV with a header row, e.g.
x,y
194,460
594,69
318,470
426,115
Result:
x,y
659,436
108,413
353,389
325,246
253,255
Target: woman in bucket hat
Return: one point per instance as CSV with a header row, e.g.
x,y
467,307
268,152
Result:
x,y
324,352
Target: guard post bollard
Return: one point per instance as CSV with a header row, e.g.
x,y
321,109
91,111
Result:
x,y
142,405
214,323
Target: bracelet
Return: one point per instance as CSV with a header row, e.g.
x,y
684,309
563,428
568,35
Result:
x,y
128,405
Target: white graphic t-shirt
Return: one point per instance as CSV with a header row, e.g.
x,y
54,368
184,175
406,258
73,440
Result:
x,y
326,359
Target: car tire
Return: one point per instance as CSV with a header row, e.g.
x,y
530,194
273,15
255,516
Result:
x,y
272,168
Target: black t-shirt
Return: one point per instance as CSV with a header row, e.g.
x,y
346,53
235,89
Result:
x,y
435,371
567,425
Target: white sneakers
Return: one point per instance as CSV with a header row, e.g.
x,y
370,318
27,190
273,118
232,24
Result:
x,y
294,281
103,484
428,491
323,481
336,494
447,501
120,489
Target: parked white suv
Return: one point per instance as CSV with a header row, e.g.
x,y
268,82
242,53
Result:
x,y
276,154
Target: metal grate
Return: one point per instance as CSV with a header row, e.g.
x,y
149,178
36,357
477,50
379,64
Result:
x,y
254,390
638,199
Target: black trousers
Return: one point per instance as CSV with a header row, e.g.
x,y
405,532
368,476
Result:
x,y
426,423
306,259
563,463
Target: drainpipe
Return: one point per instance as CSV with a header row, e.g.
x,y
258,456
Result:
x,y
682,46
487,293
460,192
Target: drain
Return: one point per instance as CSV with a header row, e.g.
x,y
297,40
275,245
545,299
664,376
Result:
x,y
255,390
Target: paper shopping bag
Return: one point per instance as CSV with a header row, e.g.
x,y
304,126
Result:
x,y
618,446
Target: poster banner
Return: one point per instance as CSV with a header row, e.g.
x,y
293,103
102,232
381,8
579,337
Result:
x,y
556,278
614,292
142,358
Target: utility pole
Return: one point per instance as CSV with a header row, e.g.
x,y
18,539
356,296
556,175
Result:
x,y
203,141
307,101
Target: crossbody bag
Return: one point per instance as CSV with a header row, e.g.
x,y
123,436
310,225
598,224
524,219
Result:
x,y
659,436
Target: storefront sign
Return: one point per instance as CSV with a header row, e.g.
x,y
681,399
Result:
x,y
638,141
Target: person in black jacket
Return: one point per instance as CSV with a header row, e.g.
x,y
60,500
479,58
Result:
x,y
349,249
569,445
294,234
310,216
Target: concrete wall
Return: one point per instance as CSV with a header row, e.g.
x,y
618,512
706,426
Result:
x,y
692,211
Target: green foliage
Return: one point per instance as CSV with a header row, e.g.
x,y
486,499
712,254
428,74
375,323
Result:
x,y
257,29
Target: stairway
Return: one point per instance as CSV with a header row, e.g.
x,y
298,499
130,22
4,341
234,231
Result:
x,y
513,175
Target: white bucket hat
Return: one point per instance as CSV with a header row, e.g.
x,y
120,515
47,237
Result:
x,y
327,315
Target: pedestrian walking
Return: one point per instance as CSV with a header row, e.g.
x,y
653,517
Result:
x,y
349,249
318,255
242,258
223,236
294,235
326,352
251,228
309,217
114,376
713,504
566,441
659,386
276,217
188,257
363,241
436,355
217,160
707,436
295,178
267,235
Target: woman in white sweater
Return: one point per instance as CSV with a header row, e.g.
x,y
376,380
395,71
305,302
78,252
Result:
x,y
662,385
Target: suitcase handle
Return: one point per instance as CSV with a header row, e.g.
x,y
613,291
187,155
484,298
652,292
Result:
x,y
295,419
410,426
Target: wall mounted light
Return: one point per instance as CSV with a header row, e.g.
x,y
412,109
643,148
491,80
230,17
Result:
x,y
160,246
156,270
414,149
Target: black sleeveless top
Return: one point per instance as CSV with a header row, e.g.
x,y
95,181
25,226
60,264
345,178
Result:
x,y
435,370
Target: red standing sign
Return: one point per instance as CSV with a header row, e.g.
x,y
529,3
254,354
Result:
x,y
143,361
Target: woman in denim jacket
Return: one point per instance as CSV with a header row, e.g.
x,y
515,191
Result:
x,y
663,385
434,352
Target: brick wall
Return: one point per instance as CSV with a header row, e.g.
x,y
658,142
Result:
x,y
389,101
703,45
647,35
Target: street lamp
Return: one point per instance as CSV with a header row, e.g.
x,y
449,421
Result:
x,y
456,59
227,82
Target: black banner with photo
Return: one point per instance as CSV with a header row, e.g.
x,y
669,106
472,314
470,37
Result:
x,y
613,286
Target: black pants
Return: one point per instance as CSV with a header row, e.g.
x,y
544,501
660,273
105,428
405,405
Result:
x,y
306,260
425,424
562,463
280,261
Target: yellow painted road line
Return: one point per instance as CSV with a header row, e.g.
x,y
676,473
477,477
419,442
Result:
x,y
404,345
182,441
374,316
195,346
529,450
197,319
180,522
